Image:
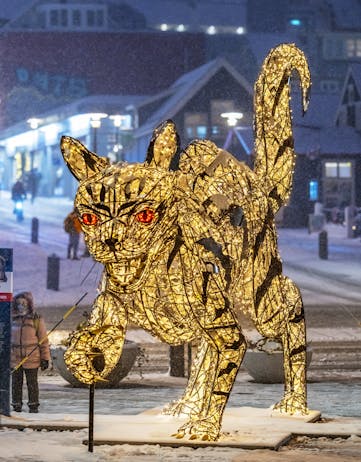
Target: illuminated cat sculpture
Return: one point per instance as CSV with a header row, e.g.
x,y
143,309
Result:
x,y
185,250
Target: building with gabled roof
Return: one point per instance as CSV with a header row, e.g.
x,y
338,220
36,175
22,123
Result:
x,y
195,102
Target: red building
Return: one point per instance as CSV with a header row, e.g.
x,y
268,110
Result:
x,y
43,70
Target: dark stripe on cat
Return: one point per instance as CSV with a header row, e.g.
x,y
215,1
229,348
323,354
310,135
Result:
x,y
177,245
283,83
261,236
287,143
221,393
274,270
298,317
296,351
227,370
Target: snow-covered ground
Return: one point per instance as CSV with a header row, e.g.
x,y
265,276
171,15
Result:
x,y
333,284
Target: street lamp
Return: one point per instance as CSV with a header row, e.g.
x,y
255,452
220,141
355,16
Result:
x,y
95,123
33,123
232,121
232,117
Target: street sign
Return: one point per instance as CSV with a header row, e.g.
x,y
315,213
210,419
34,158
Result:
x,y
6,294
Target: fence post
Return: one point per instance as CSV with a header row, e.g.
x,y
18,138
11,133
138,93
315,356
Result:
x,y
34,230
323,245
53,270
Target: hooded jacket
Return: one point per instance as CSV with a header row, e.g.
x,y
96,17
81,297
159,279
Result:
x,y
26,332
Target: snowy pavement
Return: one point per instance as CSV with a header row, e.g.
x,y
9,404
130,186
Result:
x,y
328,287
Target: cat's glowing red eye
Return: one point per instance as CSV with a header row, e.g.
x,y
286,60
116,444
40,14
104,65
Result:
x,y
145,216
89,219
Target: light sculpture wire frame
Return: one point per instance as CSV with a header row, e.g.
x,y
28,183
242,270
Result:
x,y
186,250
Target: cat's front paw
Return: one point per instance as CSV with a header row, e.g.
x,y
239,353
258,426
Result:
x,y
93,352
201,429
292,404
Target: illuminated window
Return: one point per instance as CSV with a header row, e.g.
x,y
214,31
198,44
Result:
x,y
201,131
331,169
195,124
344,169
338,169
353,48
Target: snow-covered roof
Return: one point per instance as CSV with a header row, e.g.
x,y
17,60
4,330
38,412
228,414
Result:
x,y
347,14
194,14
321,110
331,141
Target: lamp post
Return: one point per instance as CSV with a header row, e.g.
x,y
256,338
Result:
x,y
95,123
232,119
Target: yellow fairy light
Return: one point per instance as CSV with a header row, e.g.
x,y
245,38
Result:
x,y
185,251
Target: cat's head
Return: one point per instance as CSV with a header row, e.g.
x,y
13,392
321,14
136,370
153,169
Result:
x,y
125,209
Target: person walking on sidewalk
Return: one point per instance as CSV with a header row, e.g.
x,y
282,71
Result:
x,y
72,226
28,328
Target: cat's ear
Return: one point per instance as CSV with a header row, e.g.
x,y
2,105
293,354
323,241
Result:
x,y
81,162
163,145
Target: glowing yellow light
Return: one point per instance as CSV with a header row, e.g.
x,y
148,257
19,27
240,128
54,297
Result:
x,y
185,251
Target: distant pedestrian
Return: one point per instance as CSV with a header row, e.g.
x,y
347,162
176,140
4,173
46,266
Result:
x,y
28,329
72,226
18,195
18,192
34,178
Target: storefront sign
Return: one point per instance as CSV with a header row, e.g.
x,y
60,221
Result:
x,y
6,293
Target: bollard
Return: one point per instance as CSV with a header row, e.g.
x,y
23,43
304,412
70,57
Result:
x,y
323,245
34,230
53,271
176,361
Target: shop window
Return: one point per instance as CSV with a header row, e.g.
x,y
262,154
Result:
x,y
338,184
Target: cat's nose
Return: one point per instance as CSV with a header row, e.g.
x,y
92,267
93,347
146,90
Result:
x,y
111,241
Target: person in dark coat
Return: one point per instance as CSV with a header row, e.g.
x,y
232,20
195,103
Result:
x,y
72,226
27,329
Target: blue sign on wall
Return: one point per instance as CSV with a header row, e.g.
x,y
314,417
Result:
x,y
6,294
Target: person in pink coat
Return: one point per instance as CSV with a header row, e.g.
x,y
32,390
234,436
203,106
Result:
x,y
27,329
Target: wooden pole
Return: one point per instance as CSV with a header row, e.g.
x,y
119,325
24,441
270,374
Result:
x,y
91,418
